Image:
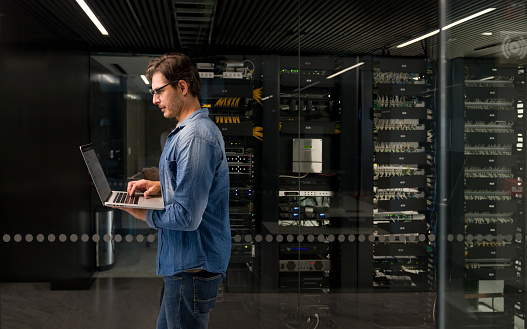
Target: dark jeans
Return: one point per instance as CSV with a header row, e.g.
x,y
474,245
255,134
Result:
x,y
187,300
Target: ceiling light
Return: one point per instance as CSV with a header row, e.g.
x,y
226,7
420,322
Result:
x,y
418,39
330,77
487,78
91,15
308,86
110,78
486,33
346,69
469,18
145,79
446,27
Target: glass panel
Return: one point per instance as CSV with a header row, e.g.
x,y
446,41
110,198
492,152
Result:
x,y
378,168
128,141
485,57
376,178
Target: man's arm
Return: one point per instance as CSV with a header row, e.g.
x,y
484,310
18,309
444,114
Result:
x,y
137,213
196,167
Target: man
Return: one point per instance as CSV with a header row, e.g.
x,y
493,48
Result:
x,y
193,229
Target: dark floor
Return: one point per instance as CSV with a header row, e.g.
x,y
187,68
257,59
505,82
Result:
x,y
134,302
128,294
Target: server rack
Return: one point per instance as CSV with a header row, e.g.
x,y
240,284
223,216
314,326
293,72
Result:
x,y
404,173
231,93
308,172
488,206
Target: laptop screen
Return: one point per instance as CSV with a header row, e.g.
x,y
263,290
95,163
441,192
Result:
x,y
96,172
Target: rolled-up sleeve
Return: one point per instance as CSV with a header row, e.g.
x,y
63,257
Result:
x,y
149,218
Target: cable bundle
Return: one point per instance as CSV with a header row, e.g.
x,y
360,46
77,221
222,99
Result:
x,y
258,133
257,95
221,119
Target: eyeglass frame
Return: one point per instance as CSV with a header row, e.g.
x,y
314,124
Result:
x,y
155,92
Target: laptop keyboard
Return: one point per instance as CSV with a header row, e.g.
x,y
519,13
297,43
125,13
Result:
x,y
125,198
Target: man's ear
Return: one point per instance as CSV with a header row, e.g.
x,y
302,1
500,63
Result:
x,y
183,87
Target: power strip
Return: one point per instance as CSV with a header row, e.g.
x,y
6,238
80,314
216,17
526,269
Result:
x,y
206,75
233,75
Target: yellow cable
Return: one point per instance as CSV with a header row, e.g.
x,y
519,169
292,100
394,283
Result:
x,y
257,95
257,133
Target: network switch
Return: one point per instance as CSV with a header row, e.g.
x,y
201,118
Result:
x,y
305,193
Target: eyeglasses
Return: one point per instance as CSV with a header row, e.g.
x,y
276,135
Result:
x,y
155,92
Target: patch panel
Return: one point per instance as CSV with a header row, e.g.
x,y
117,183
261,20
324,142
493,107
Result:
x,y
304,193
309,265
206,75
239,158
240,169
398,216
232,75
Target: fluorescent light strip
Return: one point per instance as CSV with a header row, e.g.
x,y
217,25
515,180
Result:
x,y
145,79
331,76
446,27
487,78
91,15
418,39
308,86
346,69
109,78
468,18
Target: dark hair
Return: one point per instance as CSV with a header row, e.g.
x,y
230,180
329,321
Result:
x,y
174,67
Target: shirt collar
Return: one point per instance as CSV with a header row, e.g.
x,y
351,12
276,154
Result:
x,y
203,112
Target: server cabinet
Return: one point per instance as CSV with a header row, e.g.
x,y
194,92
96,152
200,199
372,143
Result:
x,y
309,173
232,94
403,136
488,207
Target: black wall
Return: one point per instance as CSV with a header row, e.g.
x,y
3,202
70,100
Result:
x,y
44,103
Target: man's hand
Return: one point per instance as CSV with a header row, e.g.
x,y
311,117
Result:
x,y
137,213
148,187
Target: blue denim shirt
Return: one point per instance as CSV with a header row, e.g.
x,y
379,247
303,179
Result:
x,y
193,229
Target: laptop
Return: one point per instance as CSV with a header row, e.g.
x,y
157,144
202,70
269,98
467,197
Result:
x,y
115,198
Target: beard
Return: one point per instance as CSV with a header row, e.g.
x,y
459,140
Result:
x,y
175,107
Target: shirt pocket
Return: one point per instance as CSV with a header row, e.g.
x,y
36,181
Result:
x,y
171,178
